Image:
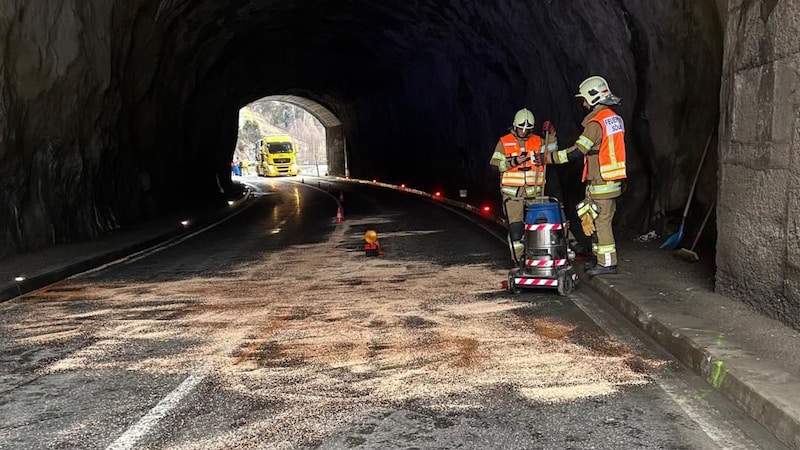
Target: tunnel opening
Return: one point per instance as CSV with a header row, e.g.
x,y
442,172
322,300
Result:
x,y
265,124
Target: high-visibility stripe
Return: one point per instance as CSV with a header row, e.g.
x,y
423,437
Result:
x,y
546,262
511,191
560,157
585,142
535,282
587,208
544,226
530,178
606,188
616,171
500,161
552,146
606,249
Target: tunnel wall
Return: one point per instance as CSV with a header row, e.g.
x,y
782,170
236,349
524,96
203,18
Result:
x,y
113,108
335,148
758,249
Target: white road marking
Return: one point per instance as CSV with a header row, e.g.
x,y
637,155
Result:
x,y
130,438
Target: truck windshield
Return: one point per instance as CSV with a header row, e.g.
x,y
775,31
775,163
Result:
x,y
280,147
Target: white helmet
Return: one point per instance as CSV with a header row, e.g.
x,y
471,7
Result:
x,y
523,122
595,90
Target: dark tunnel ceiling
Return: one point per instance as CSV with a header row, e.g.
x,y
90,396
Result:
x,y
432,85
423,90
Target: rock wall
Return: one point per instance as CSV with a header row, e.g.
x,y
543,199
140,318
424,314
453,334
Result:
x,y
758,250
118,110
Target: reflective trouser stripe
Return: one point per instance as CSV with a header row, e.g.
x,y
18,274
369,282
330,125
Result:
x,y
604,254
519,250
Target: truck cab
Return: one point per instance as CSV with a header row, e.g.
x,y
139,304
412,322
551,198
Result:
x,y
276,156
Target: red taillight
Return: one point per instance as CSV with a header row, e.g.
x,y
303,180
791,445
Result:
x,y
487,209
437,194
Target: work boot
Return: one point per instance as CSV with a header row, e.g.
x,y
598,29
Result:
x,y
591,263
602,270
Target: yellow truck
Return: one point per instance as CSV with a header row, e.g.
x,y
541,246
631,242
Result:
x,y
276,156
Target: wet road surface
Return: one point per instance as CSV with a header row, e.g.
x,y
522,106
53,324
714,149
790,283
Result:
x,y
273,330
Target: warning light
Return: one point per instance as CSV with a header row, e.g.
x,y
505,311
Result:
x,y
374,181
437,194
402,186
487,209
372,248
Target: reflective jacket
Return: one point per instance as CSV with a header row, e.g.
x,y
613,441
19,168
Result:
x,y
527,173
612,146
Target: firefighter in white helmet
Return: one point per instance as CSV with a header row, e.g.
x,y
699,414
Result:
x,y
602,147
521,176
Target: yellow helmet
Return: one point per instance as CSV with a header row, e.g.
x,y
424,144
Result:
x,y
595,90
523,121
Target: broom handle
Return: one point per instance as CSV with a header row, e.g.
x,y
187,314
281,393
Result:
x,y
703,225
697,176
542,151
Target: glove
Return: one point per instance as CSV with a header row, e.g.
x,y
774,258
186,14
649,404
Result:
x,y
548,127
587,224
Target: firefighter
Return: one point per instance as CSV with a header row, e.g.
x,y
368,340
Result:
x,y
602,147
521,177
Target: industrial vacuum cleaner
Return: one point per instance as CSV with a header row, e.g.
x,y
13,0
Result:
x,y
548,261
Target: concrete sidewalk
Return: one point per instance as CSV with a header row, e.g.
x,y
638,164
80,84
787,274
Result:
x,y
750,358
43,267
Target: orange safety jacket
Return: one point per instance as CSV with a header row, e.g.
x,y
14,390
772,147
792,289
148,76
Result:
x,y
527,173
612,146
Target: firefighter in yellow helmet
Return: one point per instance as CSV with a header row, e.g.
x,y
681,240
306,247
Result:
x,y
602,147
521,176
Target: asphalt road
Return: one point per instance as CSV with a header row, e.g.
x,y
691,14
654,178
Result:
x,y
274,330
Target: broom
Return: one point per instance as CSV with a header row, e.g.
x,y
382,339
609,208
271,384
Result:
x,y
690,255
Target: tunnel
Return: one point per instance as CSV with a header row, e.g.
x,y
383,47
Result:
x,y
116,111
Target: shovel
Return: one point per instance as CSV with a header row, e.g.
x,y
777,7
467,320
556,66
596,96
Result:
x,y
676,238
689,255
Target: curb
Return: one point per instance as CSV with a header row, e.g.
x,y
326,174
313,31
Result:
x,y
751,389
50,275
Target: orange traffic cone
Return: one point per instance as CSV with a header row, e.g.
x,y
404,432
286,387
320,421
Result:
x,y
339,215
341,196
